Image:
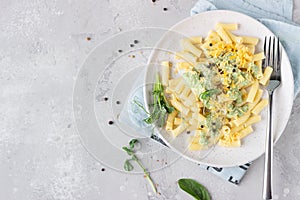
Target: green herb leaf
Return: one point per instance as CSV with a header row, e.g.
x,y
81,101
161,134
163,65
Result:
x,y
129,151
128,166
207,94
161,107
194,188
132,143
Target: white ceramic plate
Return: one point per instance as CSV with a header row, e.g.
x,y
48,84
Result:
x,y
253,145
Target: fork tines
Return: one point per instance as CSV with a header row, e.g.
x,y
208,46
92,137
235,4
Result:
x,y
272,50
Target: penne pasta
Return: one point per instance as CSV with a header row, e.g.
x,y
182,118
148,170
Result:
x,y
266,76
196,39
223,34
225,130
180,107
258,56
185,93
258,108
250,40
234,38
190,100
252,120
227,26
170,120
231,143
195,146
198,117
239,121
184,65
188,46
252,92
186,56
165,72
179,129
246,131
213,36
174,82
250,47
177,121
179,87
259,73
236,129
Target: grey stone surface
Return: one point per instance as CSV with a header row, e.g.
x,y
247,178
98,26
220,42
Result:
x,y
42,46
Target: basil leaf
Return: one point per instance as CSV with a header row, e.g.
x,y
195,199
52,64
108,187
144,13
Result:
x,y
128,166
207,94
194,188
132,143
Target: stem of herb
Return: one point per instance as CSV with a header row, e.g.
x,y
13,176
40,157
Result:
x,y
146,173
140,106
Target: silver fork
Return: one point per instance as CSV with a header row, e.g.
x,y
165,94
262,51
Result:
x,y
272,50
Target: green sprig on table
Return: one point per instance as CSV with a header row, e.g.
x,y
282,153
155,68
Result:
x,y
129,167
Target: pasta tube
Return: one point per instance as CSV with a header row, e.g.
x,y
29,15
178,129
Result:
x,y
266,77
252,92
223,34
227,26
258,108
252,120
165,72
170,120
188,46
250,40
246,131
177,131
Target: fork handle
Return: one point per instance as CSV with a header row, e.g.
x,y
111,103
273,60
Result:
x,y
268,170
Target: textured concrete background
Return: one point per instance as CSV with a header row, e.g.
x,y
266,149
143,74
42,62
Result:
x,y
42,46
